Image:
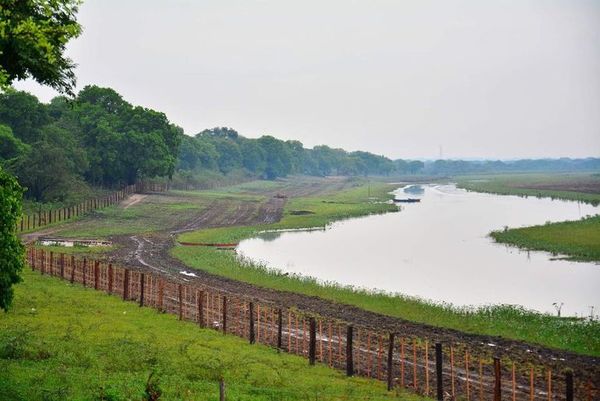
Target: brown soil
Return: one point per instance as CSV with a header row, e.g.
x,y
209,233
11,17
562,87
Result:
x,y
132,200
151,251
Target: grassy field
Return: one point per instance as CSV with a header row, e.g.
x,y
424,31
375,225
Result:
x,y
581,337
64,342
583,187
579,240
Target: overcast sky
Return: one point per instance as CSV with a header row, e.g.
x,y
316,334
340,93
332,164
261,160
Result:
x,y
494,79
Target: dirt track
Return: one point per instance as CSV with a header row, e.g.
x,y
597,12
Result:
x,y
152,252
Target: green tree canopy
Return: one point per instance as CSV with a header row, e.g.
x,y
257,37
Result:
x,y
11,249
33,36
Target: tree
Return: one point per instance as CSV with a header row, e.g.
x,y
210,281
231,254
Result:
x,y
11,148
11,250
277,157
253,157
33,36
24,114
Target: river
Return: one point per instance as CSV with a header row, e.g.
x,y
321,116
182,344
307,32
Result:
x,y
439,250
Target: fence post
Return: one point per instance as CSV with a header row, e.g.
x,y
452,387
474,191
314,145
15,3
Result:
x,y
180,296
51,263
142,284
84,271
497,380
110,278
569,382
161,292
349,359
62,265
72,280
279,328
126,285
312,345
390,360
224,314
96,274
251,335
43,267
438,370
201,308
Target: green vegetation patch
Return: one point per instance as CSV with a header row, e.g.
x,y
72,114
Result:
x,y
578,240
583,187
64,342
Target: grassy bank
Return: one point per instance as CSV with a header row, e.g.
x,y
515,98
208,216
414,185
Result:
x,y
578,240
581,337
583,187
62,341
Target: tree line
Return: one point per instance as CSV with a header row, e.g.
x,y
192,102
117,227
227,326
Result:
x,y
99,139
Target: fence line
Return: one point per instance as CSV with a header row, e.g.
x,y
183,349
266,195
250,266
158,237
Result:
x,y
445,371
43,218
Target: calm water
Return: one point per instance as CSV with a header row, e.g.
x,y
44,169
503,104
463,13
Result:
x,y
438,249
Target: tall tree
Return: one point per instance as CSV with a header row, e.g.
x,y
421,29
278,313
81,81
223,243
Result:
x,y
33,36
11,250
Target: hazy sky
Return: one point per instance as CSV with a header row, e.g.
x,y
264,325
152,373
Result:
x,y
496,79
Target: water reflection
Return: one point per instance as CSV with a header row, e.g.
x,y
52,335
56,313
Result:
x,y
438,249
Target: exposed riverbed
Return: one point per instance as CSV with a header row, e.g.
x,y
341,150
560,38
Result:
x,y
439,249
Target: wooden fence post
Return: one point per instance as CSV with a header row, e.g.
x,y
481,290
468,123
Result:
x,y
569,382
161,292
72,280
438,370
84,271
142,285
497,380
224,314
51,263
279,329
252,336
390,360
110,278
96,274
180,296
43,266
349,359
312,345
201,309
126,285
62,266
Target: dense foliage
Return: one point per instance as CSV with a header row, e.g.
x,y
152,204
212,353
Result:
x,y
223,149
11,249
97,138
33,36
457,167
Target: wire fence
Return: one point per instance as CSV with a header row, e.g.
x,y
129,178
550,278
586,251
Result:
x,y
443,371
46,217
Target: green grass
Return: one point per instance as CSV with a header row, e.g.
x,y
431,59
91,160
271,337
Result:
x,y
515,323
77,250
524,185
64,342
578,240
